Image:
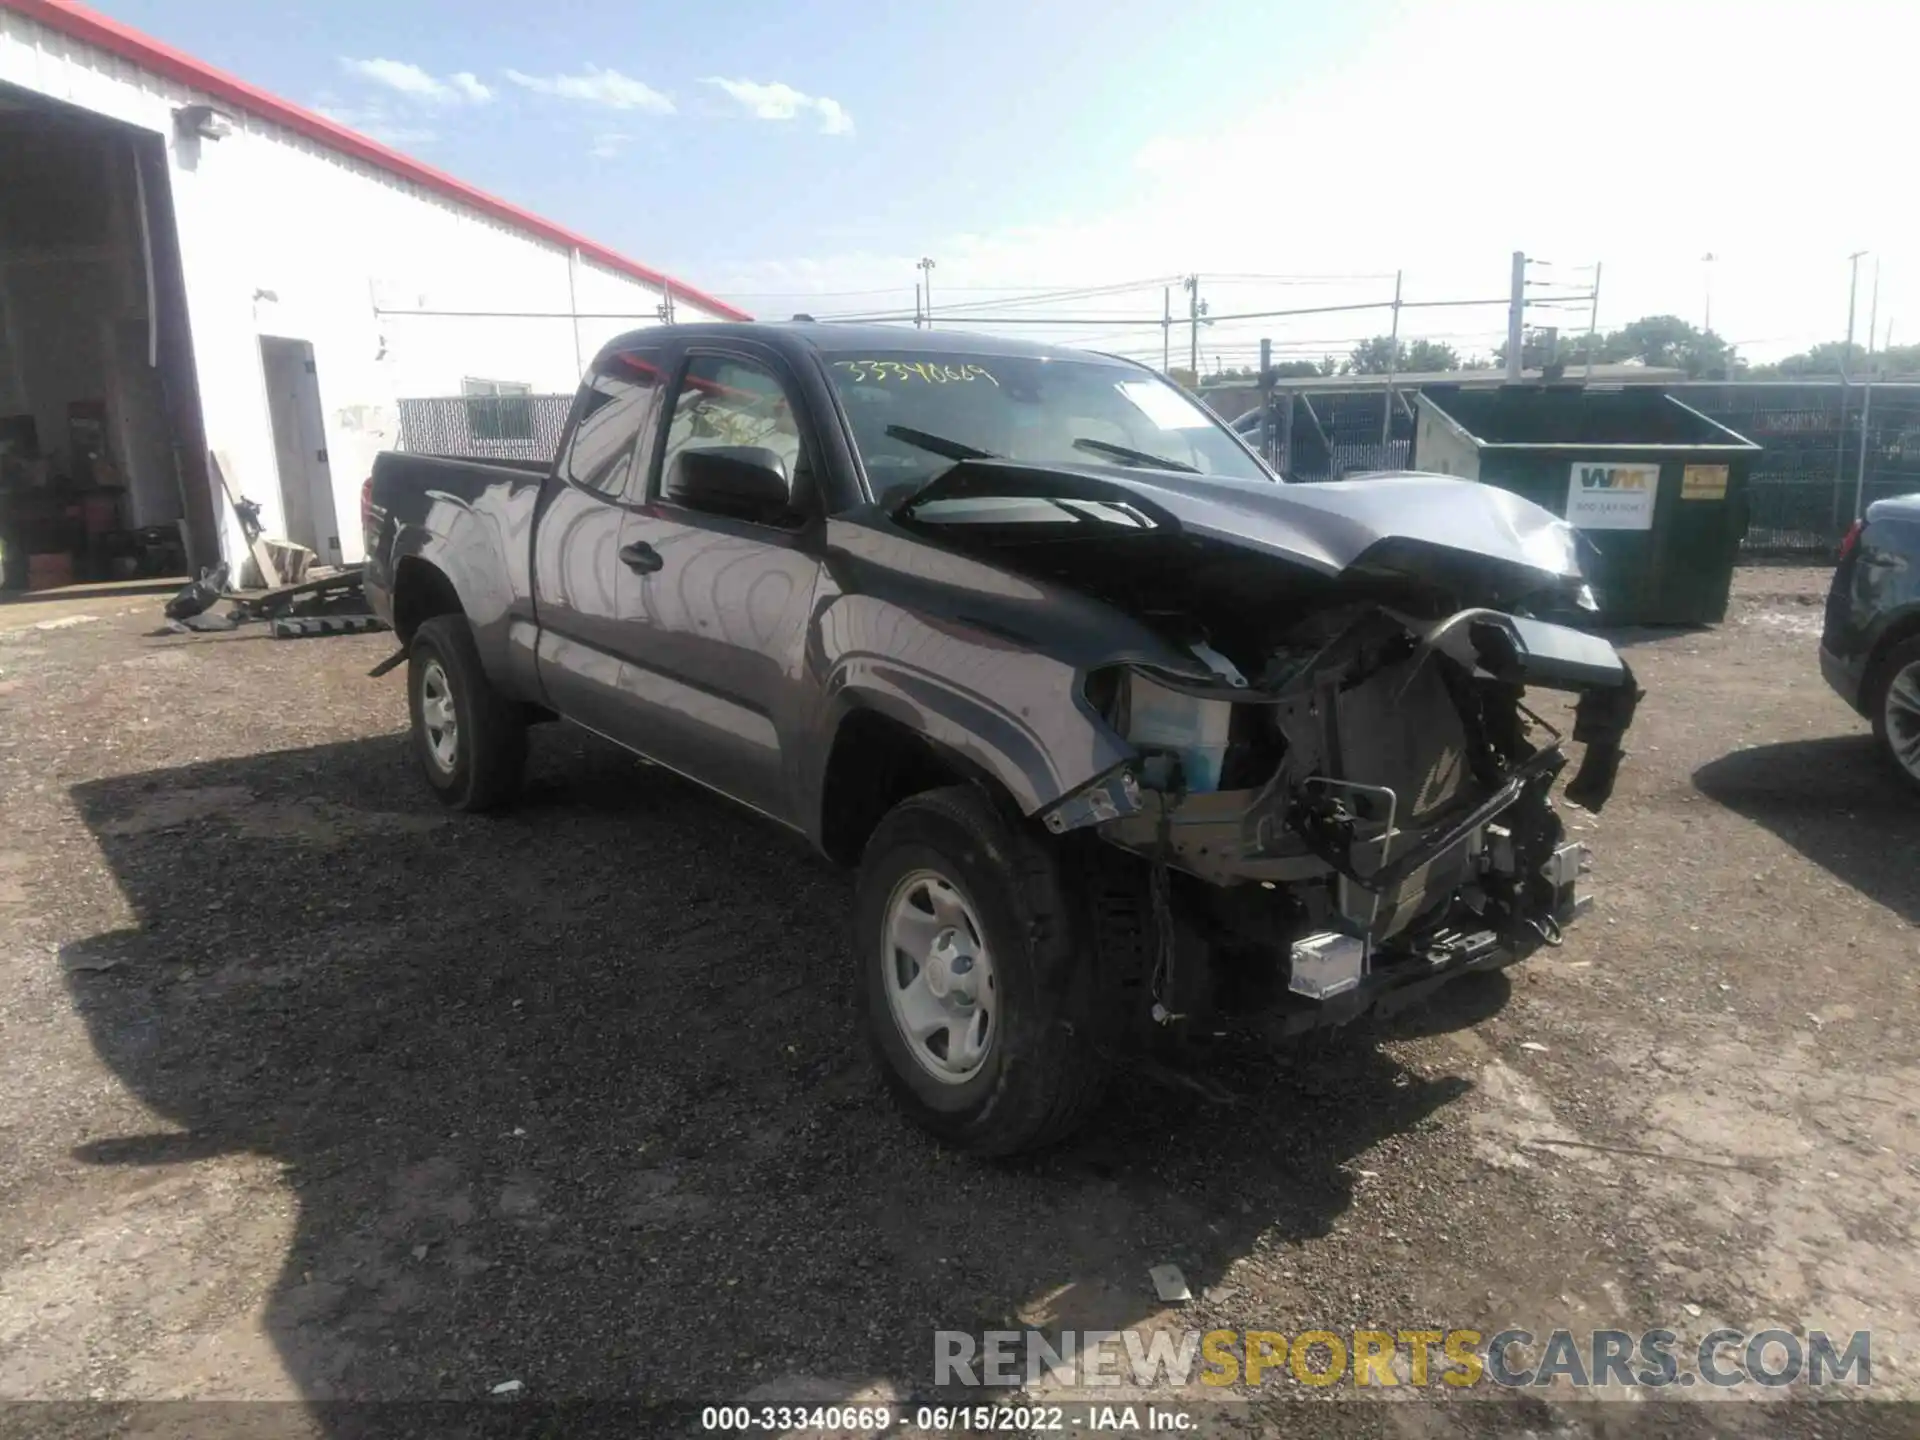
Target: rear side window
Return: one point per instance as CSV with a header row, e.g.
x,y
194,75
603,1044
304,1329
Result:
x,y
617,408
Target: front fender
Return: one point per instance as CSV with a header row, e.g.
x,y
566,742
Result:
x,y
1008,711
1035,765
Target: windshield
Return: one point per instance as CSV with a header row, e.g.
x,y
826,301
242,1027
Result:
x,y
915,412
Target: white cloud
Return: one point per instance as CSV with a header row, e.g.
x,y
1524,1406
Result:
x,y
407,79
469,85
779,101
764,102
834,120
595,86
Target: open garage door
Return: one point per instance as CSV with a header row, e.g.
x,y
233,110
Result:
x,y
103,469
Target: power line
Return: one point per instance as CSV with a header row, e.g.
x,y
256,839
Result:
x,y
971,313
1128,284
1020,302
1026,295
1293,279
1060,309
802,294
947,317
1031,301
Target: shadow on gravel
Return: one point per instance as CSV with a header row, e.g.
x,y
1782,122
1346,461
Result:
x,y
575,1096
1834,801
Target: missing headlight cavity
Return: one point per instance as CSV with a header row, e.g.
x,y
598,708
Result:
x,y
1356,779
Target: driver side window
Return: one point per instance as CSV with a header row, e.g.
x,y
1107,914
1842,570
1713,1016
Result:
x,y
726,402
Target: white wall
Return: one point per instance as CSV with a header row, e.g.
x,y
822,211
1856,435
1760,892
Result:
x,y
329,238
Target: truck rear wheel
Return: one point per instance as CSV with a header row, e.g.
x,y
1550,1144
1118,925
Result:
x,y
471,743
976,985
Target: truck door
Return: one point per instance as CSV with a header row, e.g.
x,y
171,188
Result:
x,y
577,573
716,614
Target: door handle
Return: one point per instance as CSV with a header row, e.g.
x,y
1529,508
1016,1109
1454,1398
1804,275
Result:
x,y
641,557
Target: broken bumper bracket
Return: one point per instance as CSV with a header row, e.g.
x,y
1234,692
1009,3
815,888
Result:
x,y
1114,796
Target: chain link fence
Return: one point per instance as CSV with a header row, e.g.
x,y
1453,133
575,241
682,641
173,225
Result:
x,y
1331,435
1802,486
485,427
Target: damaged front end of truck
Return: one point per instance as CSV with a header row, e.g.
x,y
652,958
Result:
x,y
1346,799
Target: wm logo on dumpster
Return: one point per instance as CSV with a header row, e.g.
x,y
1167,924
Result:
x,y
1610,477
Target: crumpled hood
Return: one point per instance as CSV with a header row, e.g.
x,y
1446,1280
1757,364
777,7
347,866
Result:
x,y
1384,523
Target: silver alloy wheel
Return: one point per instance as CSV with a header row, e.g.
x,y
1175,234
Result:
x,y
939,977
1903,718
437,716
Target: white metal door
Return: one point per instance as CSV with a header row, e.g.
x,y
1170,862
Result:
x,y
300,446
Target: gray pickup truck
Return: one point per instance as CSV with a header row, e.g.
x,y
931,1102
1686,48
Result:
x,y
1132,744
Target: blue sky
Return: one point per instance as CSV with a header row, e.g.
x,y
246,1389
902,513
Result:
x,y
1293,154
1032,109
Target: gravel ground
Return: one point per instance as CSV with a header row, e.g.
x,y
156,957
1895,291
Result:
x,y
311,1091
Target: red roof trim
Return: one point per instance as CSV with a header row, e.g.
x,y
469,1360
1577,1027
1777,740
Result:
x,y
143,50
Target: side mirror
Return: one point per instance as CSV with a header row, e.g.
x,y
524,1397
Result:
x,y
745,482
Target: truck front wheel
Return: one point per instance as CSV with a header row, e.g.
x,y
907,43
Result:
x,y
471,743
976,984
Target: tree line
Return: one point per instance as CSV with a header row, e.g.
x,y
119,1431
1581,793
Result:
x,y
1659,341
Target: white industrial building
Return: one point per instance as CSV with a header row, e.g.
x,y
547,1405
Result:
x,y
197,277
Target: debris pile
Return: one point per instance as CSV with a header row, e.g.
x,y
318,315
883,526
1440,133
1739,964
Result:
x,y
279,585
329,602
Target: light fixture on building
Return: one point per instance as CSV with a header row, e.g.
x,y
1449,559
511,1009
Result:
x,y
203,121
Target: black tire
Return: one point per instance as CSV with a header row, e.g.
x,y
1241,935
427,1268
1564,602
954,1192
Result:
x,y
1903,657
489,751
1044,1069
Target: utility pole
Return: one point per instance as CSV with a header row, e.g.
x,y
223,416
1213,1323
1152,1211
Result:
x,y
1283,440
1393,361
1166,328
1593,318
1846,380
1516,315
573,307
1860,473
1873,309
1706,261
1866,397
1195,309
926,268
1853,290
1266,399
917,317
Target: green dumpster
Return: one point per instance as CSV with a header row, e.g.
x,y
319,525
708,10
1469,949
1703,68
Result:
x,y
1658,489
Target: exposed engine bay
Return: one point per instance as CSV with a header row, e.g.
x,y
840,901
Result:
x,y
1375,798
